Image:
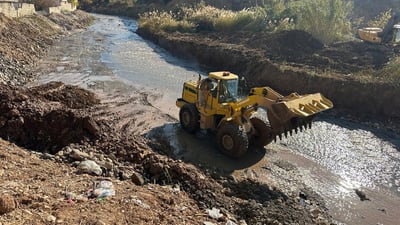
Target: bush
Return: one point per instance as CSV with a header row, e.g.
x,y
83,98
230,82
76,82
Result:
x,y
231,21
206,18
391,72
326,20
381,20
162,21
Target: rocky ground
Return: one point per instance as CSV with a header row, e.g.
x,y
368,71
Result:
x,y
66,157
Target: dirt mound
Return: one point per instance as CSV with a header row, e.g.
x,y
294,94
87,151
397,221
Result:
x,y
70,96
31,117
71,20
299,49
35,119
289,45
349,57
249,200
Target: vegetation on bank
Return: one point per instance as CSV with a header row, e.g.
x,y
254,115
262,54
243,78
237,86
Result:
x,y
327,21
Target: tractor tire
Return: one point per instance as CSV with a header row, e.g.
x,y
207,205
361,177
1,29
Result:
x,y
263,132
232,140
189,118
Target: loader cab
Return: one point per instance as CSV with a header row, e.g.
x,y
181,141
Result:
x,y
226,86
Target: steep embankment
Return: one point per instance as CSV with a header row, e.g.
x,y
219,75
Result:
x,y
24,40
295,62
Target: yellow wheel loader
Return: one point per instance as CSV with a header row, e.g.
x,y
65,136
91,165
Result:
x,y
389,34
213,104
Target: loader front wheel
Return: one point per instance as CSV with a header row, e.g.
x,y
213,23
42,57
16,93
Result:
x,y
262,134
189,118
232,140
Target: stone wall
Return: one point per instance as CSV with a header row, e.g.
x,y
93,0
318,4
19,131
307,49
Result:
x,y
16,9
64,7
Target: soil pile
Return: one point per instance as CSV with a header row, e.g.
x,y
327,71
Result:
x,y
299,49
34,119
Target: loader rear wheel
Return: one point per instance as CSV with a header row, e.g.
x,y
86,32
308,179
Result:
x,y
232,140
262,134
189,118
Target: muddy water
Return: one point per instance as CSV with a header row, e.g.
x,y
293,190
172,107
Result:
x,y
334,158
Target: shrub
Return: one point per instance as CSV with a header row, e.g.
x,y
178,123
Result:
x,y
155,21
391,72
326,20
381,20
231,21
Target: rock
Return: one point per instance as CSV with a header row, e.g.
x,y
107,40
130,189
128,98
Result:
x,y
89,167
67,150
7,204
208,223
112,157
137,178
124,175
156,169
315,212
60,153
13,113
90,125
242,222
214,213
51,219
230,222
140,203
105,164
47,156
78,155
100,222
361,195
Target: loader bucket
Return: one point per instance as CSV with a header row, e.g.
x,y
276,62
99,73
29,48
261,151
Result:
x,y
295,112
308,105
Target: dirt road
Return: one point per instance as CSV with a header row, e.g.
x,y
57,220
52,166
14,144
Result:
x,y
137,84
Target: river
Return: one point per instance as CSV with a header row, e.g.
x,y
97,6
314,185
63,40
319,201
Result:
x,y
334,158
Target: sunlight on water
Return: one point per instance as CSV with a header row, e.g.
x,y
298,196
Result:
x,y
357,155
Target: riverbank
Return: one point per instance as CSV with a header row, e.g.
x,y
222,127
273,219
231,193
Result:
x,y
25,40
